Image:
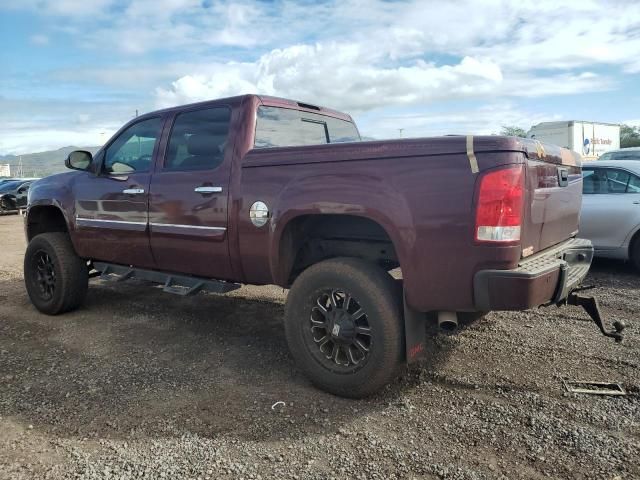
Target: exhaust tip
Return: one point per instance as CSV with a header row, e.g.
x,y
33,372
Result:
x,y
449,326
447,321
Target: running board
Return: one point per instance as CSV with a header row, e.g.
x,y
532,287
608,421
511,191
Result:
x,y
178,284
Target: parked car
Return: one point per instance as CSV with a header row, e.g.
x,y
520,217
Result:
x,y
5,180
630,153
262,190
13,195
611,209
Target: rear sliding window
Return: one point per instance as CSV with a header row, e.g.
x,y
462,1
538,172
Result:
x,y
284,127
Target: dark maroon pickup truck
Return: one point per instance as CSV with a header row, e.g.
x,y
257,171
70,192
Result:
x,y
261,190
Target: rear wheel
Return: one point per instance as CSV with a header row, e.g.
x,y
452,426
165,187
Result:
x,y
55,277
343,326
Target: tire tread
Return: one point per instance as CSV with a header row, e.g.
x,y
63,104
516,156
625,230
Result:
x,y
71,271
383,291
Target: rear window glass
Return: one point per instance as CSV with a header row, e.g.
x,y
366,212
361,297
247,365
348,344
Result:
x,y
284,127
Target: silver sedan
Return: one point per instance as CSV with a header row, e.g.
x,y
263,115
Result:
x,y
610,215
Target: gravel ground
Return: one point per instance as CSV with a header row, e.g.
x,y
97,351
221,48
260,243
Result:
x,y
143,384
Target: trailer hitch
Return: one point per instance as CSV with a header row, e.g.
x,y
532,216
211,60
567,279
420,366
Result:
x,y
590,305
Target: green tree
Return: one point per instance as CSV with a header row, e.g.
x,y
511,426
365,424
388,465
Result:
x,y
629,136
513,131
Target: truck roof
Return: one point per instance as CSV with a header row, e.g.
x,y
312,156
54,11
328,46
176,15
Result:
x,y
261,99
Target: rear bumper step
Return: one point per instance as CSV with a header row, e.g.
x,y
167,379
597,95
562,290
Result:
x,y
542,279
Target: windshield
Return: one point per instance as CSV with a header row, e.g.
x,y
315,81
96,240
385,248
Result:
x,y
7,186
621,155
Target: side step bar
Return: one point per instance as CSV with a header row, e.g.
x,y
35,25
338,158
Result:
x,y
178,284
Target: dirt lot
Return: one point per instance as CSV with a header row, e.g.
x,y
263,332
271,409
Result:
x,y
143,384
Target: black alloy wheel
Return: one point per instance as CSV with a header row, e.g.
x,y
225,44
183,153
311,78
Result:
x,y
343,321
45,274
340,331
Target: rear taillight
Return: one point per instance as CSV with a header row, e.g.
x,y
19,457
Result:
x,y
499,207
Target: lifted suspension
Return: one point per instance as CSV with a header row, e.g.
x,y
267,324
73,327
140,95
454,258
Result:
x,y
590,305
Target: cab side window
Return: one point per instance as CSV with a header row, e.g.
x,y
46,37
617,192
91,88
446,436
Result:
x,y
198,139
609,180
634,185
594,180
617,181
132,150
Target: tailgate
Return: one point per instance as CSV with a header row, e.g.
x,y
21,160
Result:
x,y
553,196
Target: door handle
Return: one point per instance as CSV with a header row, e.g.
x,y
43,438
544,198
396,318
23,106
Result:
x,y
207,189
133,191
636,203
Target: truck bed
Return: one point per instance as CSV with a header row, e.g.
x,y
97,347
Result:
x,y
421,191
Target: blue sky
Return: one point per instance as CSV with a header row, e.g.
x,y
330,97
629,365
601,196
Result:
x,y
74,71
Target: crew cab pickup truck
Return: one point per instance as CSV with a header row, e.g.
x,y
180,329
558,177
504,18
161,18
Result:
x,y
262,190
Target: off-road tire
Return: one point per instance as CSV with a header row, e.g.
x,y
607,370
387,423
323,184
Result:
x,y
377,294
70,274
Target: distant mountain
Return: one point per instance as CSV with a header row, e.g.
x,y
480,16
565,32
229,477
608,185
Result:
x,y
41,164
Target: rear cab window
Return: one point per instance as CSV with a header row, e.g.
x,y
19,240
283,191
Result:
x,y
285,127
198,139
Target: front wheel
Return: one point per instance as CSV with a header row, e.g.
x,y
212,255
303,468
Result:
x,y
5,205
55,277
344,326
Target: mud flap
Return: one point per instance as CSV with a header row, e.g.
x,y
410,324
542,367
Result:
x,y
415,333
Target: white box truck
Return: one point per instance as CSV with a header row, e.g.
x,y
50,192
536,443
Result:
x,y
589,139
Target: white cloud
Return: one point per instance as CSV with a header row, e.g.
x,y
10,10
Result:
x,y
35,125
61,8
39,39
354,55
484,120
523,49
351,77
37,140
525,34
339,74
